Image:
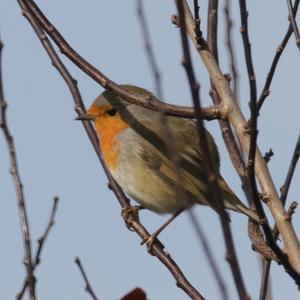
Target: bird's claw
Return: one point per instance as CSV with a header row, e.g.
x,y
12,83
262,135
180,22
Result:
x,y
150,241
131,212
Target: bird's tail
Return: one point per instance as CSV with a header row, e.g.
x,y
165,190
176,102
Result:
x,y
231,201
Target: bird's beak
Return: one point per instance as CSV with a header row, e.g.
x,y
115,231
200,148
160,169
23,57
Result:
x,y
84,117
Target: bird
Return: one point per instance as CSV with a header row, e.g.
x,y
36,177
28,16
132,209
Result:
x,y
134,146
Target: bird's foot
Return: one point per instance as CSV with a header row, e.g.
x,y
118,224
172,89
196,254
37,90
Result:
x,y
150,241
131,212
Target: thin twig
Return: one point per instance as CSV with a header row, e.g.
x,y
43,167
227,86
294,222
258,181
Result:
x,y
247,50
227,133
253,110
19,189
287,183
41,243
172,146
230,47
212,28
42,239
266,89
132,221
198,31
208,165
264,286
293,23
88,287
268,155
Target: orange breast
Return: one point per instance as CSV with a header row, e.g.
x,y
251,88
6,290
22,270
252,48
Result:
x,y
107,129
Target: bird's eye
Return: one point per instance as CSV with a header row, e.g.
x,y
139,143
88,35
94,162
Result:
x,y
112,112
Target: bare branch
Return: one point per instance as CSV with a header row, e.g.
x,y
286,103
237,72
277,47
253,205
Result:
x,y
228,135
208,165
18,187
252,129
104,81
239,123
230,47
88,287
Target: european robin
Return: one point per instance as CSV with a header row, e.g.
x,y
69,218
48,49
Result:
x,y
139,159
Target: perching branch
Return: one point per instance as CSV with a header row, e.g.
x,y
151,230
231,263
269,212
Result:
x,y
19,189
148,101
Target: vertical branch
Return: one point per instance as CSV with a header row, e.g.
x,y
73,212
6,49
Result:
x,y
19,189
208,166
252,125
230,47
228,136
212,28
253,103
247,50
198,31
170,143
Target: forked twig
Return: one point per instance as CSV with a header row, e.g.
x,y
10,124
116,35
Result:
x,y
41,243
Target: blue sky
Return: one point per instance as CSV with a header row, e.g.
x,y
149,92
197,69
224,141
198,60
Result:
x,y
55,157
